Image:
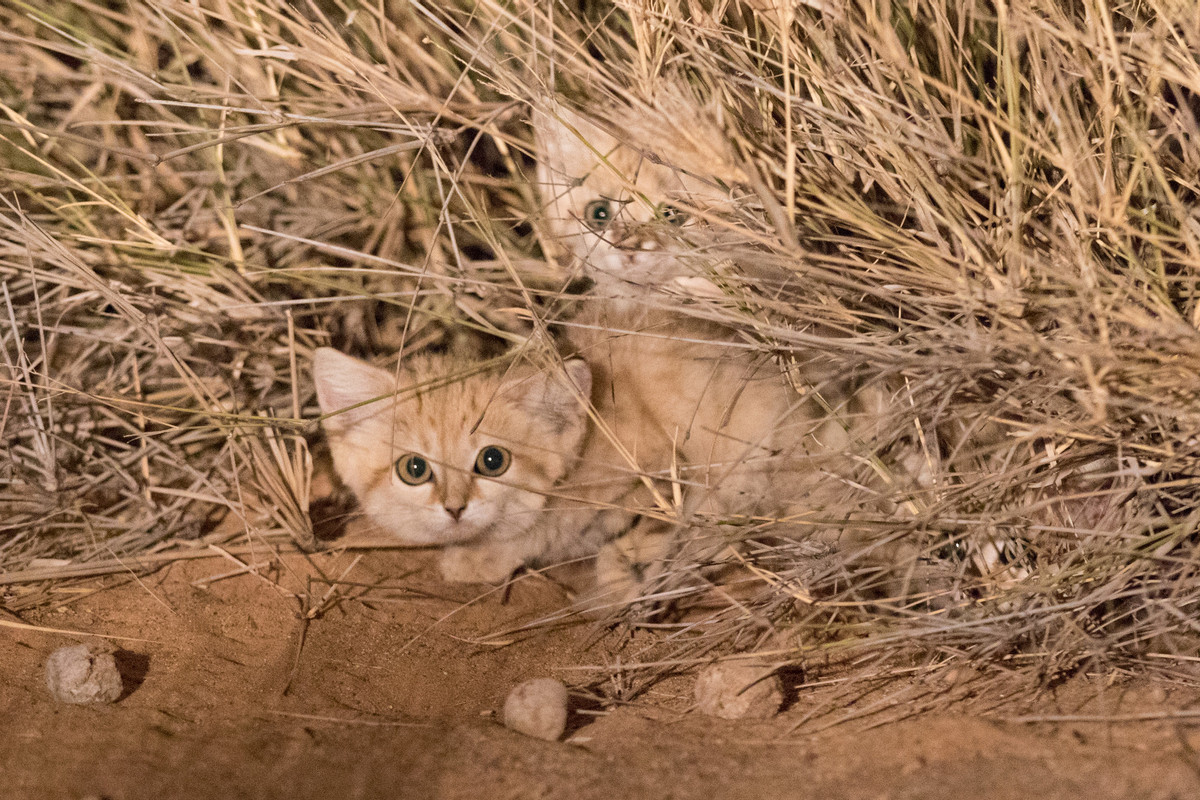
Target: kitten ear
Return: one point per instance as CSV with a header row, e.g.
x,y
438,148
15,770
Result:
x,y
566,145
550,138
555,397
343,381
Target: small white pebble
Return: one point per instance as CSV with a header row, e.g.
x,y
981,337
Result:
x,y
81,673
537,708
738,691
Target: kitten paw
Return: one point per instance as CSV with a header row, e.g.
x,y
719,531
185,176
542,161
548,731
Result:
x,y
625,570
480,564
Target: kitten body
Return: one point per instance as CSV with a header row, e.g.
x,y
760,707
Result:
x,y
709,412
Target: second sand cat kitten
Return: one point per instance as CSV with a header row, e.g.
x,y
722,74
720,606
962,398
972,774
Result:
x,y
750,440
751,443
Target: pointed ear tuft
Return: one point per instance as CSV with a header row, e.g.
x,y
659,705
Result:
x,y
553,143
566,144
343,381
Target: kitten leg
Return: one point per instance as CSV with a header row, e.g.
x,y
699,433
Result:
x,y
494,562
627,568
568,534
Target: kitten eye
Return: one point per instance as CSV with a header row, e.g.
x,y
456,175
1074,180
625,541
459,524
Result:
x,y
492,461
597,214
953,550
413,470
671,214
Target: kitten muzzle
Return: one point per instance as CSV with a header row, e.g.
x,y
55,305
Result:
x,y
637,237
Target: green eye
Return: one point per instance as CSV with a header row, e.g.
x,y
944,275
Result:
x,y
671,214
492,461
597,214
413,470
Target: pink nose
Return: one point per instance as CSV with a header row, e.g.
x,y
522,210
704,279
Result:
x,y
456,512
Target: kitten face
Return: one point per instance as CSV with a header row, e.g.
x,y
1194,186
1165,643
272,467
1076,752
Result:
x,y
624,218
437,458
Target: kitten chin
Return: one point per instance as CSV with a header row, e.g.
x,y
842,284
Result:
x,y
446,451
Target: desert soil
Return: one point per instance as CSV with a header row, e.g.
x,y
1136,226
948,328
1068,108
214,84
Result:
x,y
392,689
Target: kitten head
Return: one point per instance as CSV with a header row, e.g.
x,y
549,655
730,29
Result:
x,y
625,217
447,451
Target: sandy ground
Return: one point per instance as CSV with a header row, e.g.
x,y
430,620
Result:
x,y
395,693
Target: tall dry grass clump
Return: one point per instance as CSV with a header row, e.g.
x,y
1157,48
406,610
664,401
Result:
x,y
992,207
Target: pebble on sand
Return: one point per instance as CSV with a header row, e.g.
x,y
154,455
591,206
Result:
x,y
537,708
81,673
738,691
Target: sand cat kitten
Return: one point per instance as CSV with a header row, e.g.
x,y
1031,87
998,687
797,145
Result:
x,y
741,437
726,408
499,468
451,453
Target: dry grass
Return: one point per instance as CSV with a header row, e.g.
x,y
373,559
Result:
x,y
995,206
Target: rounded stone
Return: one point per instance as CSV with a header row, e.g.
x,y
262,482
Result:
x,y
537,708
738,691
81,673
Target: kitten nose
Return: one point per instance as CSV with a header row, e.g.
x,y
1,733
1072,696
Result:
x,y
455,512
638,237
